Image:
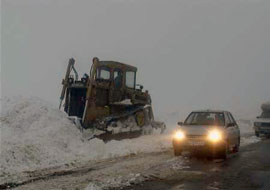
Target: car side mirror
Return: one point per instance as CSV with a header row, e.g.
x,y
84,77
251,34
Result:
x,y
180,123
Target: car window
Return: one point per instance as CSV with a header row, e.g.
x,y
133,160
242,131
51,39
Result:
x,y
190,118
231,118
205,118
227,119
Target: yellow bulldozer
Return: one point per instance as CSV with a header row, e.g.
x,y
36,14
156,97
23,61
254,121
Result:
x,y
108,100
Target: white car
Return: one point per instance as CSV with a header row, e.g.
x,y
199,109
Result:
x,y
262,123
214,132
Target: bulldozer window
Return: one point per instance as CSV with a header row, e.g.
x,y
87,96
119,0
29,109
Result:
x,y
103,73
130,79
118,77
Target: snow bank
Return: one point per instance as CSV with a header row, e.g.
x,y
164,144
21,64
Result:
x,y
249,140
35,134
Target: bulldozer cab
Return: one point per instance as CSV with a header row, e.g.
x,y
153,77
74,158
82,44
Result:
x,y
115,78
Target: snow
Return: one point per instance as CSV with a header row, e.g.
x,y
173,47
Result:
x,y
247,132
93,186
124,102
135,171
249,140
116,182
35,135
125,126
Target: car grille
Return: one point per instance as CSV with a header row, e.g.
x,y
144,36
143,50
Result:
x,y
195,136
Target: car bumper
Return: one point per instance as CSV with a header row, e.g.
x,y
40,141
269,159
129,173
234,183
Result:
x,y
199,145
264,128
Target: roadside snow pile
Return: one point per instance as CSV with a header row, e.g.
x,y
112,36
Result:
x,y
35,134
249,140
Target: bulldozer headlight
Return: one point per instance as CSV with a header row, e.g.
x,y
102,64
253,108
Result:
x,y
214,135
70,80
179,135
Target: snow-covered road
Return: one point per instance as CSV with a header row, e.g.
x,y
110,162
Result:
x,y
109,173
112,173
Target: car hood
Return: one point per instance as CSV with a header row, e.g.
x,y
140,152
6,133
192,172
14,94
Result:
x,y
198,129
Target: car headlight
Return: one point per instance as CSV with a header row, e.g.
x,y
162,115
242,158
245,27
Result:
x,y
257,124
179,135
214,135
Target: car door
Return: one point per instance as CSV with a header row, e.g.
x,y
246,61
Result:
x,y
230,130
236,128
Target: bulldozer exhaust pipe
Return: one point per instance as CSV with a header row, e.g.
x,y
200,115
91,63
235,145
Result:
x,y
65,81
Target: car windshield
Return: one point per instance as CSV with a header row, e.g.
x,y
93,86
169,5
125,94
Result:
x,y
265,115
205,118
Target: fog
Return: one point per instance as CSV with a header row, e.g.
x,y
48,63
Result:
x,y
190,54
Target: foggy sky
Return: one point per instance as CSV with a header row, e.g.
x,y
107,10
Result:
x,y
190,54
